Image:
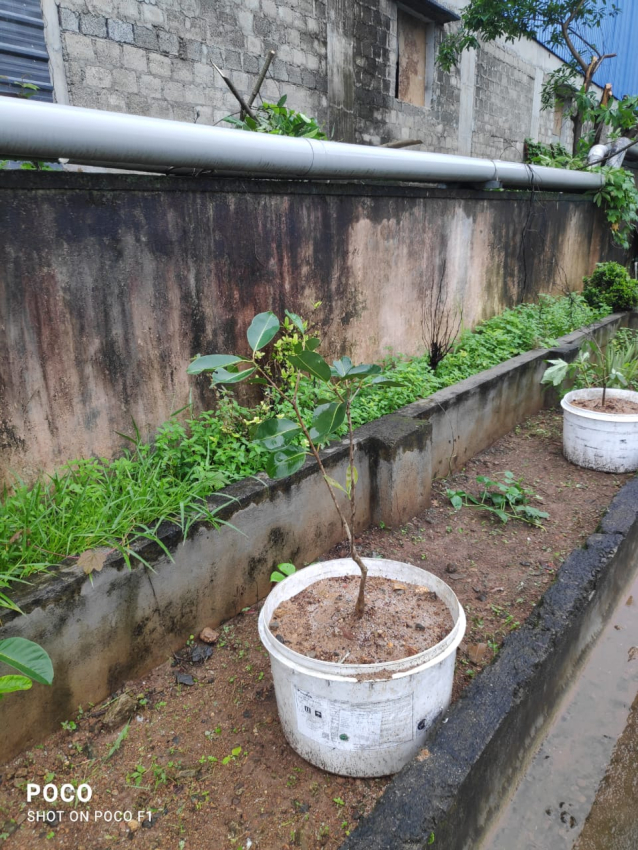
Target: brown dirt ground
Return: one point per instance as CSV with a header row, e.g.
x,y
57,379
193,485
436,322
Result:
x,y
181,759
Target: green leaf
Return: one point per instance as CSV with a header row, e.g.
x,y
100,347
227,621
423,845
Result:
x,y
326,419
556,373
287,569
532,512
334,483
27,657
342,367
9,684
314,364
275,433
364,370
352,476
285,461
282,100
236,751
457,502
119,741
262,329
223,376
313,343
210,362
295,319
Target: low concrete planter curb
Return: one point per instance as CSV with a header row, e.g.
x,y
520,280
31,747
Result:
x,y
103,632
476,754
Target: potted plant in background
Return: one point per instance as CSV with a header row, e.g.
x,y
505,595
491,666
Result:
x,y
367,712
600,416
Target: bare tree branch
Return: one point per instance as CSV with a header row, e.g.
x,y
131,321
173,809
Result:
x,y
261,77
402,143
585,42
440,325
236,95
572,49
574,12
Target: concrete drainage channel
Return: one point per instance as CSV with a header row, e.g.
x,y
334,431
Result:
x,y
556,793
117,627
451,797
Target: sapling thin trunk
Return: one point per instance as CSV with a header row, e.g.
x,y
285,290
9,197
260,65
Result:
x,y
280,436
360,606
351,479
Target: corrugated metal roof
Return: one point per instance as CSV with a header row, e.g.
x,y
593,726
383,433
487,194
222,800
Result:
x,y
23,52
619,35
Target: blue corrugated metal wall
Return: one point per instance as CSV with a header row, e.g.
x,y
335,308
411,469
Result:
x,y
23,52
616,35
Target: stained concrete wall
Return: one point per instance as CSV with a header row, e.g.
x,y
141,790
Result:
x,y
126,622
110,284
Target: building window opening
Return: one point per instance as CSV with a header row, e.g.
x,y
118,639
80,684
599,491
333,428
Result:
x,y
412,45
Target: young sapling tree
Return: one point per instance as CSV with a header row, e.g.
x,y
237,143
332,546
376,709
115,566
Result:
x,y
289,441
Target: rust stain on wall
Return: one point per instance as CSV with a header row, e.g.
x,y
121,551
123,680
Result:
x,y
127,279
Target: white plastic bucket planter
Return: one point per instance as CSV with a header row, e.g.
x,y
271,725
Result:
x,y
361,719
607,442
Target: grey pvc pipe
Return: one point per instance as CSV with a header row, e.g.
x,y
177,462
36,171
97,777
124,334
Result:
x,y
35,130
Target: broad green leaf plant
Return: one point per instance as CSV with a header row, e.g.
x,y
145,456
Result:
x,y
289,441
29,659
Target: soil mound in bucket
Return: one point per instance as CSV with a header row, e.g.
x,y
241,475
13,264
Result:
x,y
400,620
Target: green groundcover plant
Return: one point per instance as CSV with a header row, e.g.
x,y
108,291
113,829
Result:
x,y
109,506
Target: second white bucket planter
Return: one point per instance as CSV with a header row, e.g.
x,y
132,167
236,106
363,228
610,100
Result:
x,y
607,442
361,719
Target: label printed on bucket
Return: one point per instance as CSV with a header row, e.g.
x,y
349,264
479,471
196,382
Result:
x,y
354,726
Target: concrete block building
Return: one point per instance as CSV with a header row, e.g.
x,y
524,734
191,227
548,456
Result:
x,y
365,69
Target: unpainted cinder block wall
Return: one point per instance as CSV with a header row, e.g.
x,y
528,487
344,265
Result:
x,y
336,60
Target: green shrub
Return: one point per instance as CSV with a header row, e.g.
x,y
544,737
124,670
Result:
x,y
277,119
610,285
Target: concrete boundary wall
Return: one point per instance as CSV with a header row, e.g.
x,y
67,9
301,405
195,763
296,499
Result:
x,y
130,276
101,633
